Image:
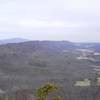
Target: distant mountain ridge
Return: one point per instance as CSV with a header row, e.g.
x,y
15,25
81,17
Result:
x,y
13,40
51,44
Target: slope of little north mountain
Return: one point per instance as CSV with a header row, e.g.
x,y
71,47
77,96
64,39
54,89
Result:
x,y
13,40
27,65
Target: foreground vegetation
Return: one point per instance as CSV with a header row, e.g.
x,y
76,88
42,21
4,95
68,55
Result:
x,y
41,93
44,91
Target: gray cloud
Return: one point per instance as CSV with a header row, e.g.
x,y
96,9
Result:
x,y
75,20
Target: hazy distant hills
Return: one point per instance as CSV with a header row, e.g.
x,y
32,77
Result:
x,y
59,44
27,65
93,46
13,40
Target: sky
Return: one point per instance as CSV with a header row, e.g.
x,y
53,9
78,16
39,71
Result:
x,y
71,20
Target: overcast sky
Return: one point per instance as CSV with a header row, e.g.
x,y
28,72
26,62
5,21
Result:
x,y
73,20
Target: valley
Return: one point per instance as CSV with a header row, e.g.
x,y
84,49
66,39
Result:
x,y
75,68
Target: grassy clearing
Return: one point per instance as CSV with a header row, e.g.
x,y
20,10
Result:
x,y
96,53
98,81
85,82
85,58
97,69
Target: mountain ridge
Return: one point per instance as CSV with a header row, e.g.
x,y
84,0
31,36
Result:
x,y
12,40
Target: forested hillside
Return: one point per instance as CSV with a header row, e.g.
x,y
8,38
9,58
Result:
x,y
75,68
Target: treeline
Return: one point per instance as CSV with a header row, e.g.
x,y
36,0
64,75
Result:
x,y
41,93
